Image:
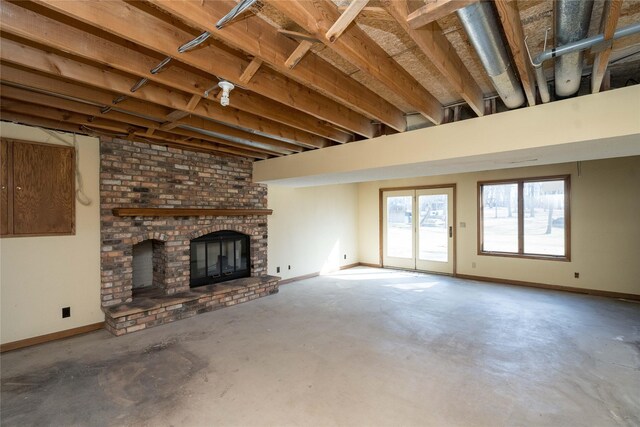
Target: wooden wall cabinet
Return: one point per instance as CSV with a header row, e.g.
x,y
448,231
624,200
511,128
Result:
x,y
38,189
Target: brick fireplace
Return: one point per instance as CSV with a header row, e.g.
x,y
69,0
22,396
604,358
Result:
x,y
183,196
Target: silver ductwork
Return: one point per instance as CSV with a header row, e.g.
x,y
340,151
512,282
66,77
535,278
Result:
x,y
572,19
577,46
480,23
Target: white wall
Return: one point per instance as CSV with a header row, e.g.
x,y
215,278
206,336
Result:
x,y
40,275
311,229
605,226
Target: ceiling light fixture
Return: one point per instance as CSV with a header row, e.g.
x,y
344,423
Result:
x,y
226,88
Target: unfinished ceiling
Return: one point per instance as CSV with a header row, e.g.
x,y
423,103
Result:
x,y
307,74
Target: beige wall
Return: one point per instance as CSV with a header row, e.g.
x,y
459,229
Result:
x,y
312,229
40,275
562,131
605,226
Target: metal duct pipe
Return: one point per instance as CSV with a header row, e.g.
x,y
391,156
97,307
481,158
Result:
x,y
572,19
479,21
577,46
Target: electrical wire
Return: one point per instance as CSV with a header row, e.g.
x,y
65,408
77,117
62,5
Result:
x,y
237,10
138,85
195,42
161,65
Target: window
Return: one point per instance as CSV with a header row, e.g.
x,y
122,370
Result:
x,y
525,217
38,189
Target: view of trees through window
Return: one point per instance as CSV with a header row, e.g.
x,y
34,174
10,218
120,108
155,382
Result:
x,y
525,217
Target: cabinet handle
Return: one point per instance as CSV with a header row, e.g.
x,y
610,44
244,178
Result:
x,y
18,188
4,187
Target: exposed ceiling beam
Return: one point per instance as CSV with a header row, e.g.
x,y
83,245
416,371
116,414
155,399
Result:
x,y
298,54
51,101
437,48
131,107
48,84
193,102
24,23
116,129
256,37
9,116
610,15
512,25
251,69
26,56
346,18
130,23
298,36
371,12
435,10
72,128
357,47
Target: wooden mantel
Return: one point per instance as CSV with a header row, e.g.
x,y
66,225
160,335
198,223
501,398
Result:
x,y
121,212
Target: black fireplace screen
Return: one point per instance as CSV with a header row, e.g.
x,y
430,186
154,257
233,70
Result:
x,y
219,256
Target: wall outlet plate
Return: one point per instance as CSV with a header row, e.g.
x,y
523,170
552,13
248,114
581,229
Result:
x,y
66,312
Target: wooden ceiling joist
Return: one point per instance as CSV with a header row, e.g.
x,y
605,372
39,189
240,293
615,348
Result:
x,y
512,25
29,57
435,10
298,54
131,108
130,23
48,32
346,18
193,102
69,127
87,110
250,70
261,40
439,51
610,15
106,128
358,48
298,35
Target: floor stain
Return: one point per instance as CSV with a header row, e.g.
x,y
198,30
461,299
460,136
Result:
x,y
131,386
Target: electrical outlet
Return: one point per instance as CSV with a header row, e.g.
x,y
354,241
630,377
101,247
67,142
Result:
x,y
289,267
277,269
345,256
66,312
576,275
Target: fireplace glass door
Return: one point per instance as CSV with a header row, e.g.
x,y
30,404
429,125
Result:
x,y
218,257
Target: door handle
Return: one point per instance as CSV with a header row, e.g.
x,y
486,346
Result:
x,y
450,231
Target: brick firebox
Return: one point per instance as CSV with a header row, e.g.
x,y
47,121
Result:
x,y
140,175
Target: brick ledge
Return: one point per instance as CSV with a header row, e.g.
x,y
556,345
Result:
x,y
150,308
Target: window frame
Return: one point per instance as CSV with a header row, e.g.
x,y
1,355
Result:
x,y
520,185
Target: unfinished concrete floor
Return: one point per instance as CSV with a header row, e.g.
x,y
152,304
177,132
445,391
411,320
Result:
x,y
363,347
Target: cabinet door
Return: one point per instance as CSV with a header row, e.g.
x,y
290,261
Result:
x,y
44,189
4,187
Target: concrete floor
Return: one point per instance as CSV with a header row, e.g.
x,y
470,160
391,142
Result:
x,y
362,347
